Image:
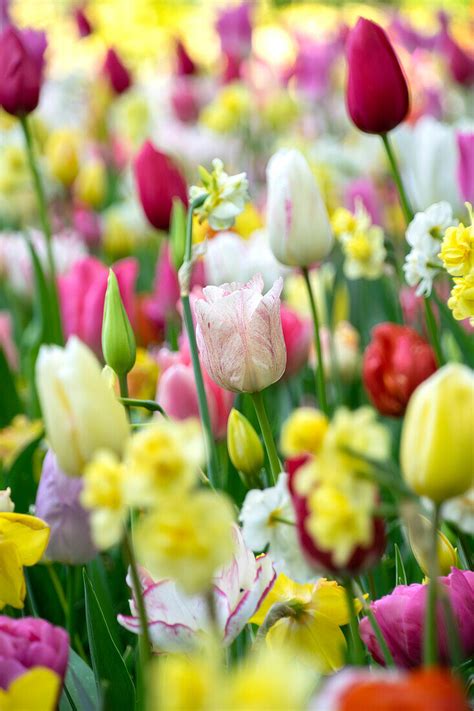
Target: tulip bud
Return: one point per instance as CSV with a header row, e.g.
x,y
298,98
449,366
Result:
x,y
62,155
177,233
377,91
297,220
245,449
118,339
91,184
436,452
419,536
117,74
21,69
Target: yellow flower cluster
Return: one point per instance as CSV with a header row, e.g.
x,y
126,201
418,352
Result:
x,y
457,255
341,499
362,243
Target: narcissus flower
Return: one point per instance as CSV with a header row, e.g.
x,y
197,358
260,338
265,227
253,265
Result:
x,y
179,622
461,301
303,432
457,250
224,196
103,495
310,626
23,540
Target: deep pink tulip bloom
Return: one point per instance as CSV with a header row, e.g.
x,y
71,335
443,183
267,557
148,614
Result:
x,y
116,72
83,24
158,181
377,91
30,642
7,343
184,64
465,172
21,69
401,616
82,293
298,336
234,27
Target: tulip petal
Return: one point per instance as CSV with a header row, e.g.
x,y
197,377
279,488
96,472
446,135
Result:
x,y
29,534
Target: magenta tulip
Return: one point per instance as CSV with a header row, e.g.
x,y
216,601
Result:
x,y
465,173
116,72
159,181
30,642
21,69
377,91
83,23
298,337
184,64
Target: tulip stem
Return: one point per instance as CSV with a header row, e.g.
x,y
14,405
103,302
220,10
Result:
x,y
430,641
275,466
150,405
405,203
143,637
432,330
357,592
46,227
357,646
320,378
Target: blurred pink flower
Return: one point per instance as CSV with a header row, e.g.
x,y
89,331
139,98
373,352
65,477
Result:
x,y
363,189
6,340
234,27
87,223
116,72
82,293
178,621
314,63
465,172
401,615
184,64
83,23
30,642
185,99
239,334
298,336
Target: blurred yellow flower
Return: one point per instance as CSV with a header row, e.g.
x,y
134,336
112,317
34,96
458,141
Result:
x,y
248,221
143,377
187,539
303,432
228,110
461,301
131,117
162,459
91,183
364,254
358,431
103,495
279,111
23,540
14,438
342,221
419,536
457,249
311,628
186,683
37,689
62,155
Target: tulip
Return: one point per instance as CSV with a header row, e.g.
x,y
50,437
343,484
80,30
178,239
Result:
x,y
21,69
377,92
30,642
400,617
465,173
436,451
363,190
234,27
87,223
80,410
118,340
419,536
158,181
184,64
460,63
395,362
185,100
244,447
239,335
58,503
82,295
91,184
298,336
84,26
297,220
62,154
117,74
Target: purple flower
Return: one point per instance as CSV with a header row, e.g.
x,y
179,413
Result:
x,y
401,616
30,642
57,503
465,172
234,27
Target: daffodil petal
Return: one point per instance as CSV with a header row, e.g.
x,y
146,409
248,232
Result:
x,y
330,602
12,581
35,690
29,534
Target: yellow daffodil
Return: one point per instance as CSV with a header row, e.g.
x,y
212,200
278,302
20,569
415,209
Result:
x,y
461,301
103,495
36,690
23,540
248,221
312,630
303,432
457,249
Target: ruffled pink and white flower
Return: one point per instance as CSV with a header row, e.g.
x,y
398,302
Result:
x,y
177,621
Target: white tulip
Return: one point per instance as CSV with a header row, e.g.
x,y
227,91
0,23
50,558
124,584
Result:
x,y
81,412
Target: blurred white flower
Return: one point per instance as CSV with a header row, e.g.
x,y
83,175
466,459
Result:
x,y
460,511
225,195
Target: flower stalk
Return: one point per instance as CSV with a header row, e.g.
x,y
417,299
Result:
x,y
320,377
357,646
275,466
430,641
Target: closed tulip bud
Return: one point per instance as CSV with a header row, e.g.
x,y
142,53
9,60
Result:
x,y
118,339
81,412
437,455
245,449
297,220
91,184
21,69
177,233
419,536
62,151
377,91
159,182
395,362
115,71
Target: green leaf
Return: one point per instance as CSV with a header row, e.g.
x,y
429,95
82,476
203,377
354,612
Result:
x,y
463,339
111,675
20,477
98,578
80,687
400,574
178,233
10,402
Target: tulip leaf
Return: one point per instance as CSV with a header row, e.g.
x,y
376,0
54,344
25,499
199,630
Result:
x,y
113,681
400,574
20,477
462,337
80,690
98,578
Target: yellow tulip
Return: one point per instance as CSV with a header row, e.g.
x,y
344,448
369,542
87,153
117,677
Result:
x,y
244,447
437,446
23,540
35,690
62,155
419,536
91,184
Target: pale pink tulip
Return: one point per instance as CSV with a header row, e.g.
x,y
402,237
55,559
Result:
x,y
240,336
6,340
177,621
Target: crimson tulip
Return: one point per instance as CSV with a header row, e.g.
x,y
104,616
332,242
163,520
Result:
x,y
21,69
116,72
83,23
158,181
377,92
184,64
395,362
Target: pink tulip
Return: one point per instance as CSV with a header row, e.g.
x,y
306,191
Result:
x,y
401,615
177,622
234,27
82,293
184,64
239,335
298,336
83,23
363,189
21,69
465,143
116,72
30,642
87,223
184,100
6,340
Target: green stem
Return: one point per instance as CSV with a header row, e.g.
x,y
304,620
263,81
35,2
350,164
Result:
x,y
143,637
357,646
45,225
275,466
58,588
387,654
70,595
405,203
320,378
433,331
430,640
150,405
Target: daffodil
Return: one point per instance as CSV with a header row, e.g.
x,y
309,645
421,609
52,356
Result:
x,y
457,250
23,540
303,432
103,494
224,196
35,690
311,626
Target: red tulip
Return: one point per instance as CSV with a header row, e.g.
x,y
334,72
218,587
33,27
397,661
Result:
x,y
158,182
83,24
377,91
396,361
184,63
21,69
363,557
116,72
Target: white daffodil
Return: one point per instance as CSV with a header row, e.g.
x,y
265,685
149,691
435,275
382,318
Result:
x,y
224,195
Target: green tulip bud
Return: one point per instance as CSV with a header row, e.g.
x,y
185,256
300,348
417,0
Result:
x,y
118,339
177,233
245,449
